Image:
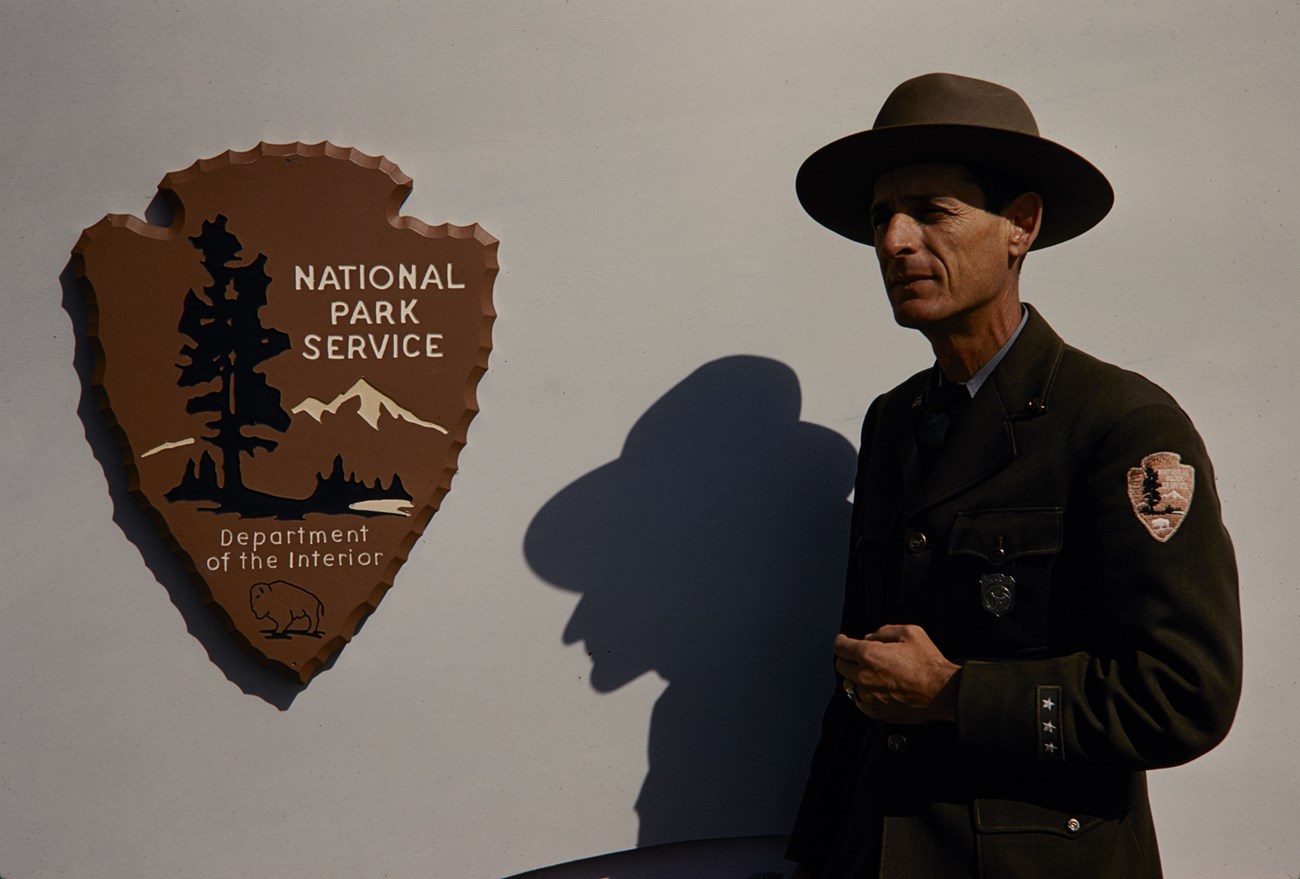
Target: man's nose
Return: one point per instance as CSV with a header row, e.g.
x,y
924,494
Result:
x,y
898,236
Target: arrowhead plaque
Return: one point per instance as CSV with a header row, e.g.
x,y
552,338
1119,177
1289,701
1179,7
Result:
x,y
291,366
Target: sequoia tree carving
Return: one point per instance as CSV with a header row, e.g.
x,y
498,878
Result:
x,y
229,343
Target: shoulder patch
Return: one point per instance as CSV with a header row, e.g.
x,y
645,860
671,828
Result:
x,y
1160,492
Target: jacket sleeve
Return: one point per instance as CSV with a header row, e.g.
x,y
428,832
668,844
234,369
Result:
x,y
833,763
1152,673
843,726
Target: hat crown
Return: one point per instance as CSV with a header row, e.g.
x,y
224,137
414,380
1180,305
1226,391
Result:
x,y
949,99
951,119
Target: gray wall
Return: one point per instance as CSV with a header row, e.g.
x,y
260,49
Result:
x,y
682,359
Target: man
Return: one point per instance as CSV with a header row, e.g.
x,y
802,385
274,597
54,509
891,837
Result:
x,y
1041,600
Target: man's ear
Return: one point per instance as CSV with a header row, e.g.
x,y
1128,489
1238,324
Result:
x,y
1026,215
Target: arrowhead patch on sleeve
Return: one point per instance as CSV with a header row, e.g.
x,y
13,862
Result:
x,y
1160,491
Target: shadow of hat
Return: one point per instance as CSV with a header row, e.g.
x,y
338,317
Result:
x,y
945,118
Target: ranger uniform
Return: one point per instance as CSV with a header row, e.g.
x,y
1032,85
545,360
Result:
x,y
1062,544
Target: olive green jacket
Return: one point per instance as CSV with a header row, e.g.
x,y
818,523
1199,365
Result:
x,y
1067,550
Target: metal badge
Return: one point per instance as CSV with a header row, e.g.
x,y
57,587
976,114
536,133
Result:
x,y
998,593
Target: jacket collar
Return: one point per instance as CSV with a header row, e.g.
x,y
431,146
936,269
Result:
x,y
983,442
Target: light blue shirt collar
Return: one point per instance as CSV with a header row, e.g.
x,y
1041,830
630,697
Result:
x,y
974,383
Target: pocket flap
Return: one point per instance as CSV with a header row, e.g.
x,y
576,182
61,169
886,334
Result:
x,y
1000,536
1014,816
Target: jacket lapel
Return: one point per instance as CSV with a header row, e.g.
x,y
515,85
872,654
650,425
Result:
x,y
909,458
979,445
983,441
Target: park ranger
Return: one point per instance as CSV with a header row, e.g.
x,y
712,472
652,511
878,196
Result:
x,y
1041,598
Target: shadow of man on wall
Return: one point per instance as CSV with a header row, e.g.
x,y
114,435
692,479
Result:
x,y
712,552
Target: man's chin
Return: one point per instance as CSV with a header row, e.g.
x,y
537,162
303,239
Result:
x,y
922,312
912,315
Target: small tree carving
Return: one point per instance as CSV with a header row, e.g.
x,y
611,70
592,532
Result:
x,y
229,343
1150,489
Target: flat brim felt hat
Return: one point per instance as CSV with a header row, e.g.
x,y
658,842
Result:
x,y
945,118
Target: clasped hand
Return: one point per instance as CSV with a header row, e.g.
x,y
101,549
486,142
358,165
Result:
x,y
898,675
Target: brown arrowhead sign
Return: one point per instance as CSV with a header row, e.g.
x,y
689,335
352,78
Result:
x,y
292,366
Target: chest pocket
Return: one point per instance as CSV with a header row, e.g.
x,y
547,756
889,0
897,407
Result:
x,y
1001,562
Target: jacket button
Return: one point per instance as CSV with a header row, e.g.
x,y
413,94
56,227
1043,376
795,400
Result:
x,y
916,542
896,743
1073,825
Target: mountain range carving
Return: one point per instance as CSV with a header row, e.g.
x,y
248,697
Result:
x,y
372,403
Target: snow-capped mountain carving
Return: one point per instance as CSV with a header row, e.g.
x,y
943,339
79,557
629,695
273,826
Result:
x,y
372,404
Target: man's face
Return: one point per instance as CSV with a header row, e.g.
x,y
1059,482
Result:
x,y
943,258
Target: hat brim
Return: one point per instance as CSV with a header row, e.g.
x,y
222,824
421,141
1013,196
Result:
x,y
835,184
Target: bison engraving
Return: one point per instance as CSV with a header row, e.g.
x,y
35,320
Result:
x,y
282,603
